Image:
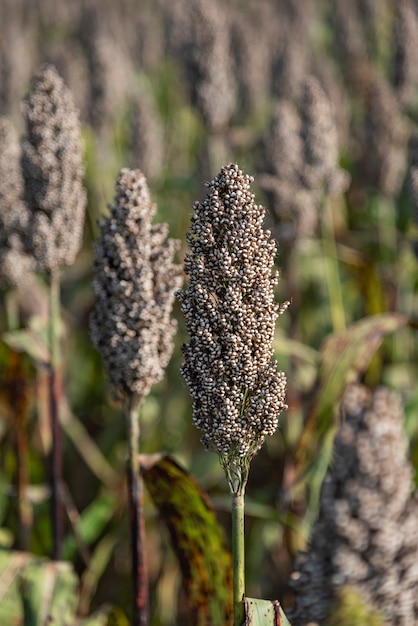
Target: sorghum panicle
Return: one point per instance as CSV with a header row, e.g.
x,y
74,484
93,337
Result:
x,y
146,135
320,140
230,313
207,55
349,37
294,55
405,67
365,536
413,183
252,55
293,209
109,70
135,281
301,162
53,170
384,136
15,265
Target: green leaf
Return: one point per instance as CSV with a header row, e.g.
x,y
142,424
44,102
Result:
x,y
197,538
103,617
11,564
290,347
86,446
264,613
91,523
97,565
6,538
37,592
344,357
49,594
32,340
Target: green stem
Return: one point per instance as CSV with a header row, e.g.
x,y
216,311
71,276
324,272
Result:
x,y
238,557
12,310
23,504
135,495
54,384
332,270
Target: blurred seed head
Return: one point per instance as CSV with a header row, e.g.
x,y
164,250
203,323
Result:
x,y
349,36
72,65
252,54
53,170
405,70
380,131
146,135
329,76
383,135
105,45
18,51
109,76
294,56
301,163
134,285
320,141
206,53
230,315
413,183
16,266
365,536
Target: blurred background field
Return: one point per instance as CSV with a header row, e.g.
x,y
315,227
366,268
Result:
x,y
179,88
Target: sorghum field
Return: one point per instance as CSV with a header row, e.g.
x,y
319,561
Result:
x,y
208,279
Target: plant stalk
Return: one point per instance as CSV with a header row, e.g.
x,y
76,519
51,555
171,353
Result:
x,y
12,310
23,504
54,385
136,506
333,272
238,557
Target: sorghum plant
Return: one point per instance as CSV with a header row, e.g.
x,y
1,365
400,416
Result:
x,y
230,312
53,170
365,537
131,326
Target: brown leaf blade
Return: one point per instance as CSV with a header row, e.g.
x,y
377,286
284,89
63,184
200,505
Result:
x,y
197,539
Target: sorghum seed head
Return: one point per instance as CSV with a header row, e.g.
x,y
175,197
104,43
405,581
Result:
x,y
230,314
16,266
52,165
365,536
135,281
